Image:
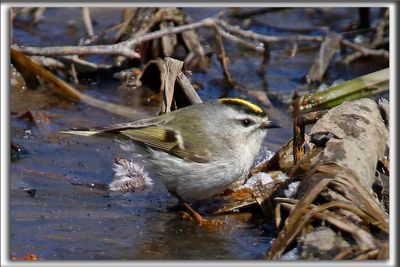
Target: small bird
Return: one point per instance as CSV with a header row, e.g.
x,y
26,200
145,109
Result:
x,y
197,151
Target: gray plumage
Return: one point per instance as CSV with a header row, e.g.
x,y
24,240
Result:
x,y
199,150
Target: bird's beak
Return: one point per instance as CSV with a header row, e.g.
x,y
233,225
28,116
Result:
x,y
270,124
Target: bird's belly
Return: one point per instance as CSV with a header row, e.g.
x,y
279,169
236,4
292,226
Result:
x,y
192,180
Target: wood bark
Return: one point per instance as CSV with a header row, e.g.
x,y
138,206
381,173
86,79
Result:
x,y
336,189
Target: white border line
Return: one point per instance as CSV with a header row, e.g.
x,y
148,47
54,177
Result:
x,y
5,139
5,143
393,85
194,4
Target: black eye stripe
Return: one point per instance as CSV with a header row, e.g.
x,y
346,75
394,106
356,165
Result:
x,y
247,122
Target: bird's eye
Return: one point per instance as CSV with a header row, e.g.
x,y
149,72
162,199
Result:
x,y
247,122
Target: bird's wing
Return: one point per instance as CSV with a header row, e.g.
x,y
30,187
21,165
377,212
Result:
x,y
162,138
153,136
150,132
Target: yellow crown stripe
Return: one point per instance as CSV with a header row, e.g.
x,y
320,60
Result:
x,y
238,101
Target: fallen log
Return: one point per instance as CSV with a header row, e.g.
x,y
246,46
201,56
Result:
x,y
336,189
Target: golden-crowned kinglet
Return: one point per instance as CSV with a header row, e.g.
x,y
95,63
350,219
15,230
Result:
x,y
198,150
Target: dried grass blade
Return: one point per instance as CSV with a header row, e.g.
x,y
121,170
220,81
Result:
x,y
297,219
64,89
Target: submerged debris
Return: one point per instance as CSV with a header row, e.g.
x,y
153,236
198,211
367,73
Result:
x,y
31,191
17,151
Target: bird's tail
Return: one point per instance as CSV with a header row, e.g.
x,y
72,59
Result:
x,y
82,132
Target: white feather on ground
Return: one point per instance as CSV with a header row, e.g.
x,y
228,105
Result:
x,y
129,177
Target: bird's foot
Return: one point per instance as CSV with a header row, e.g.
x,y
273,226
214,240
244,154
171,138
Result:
x,y
194,215
200,220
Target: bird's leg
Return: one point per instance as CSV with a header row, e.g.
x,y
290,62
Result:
x,y
195,215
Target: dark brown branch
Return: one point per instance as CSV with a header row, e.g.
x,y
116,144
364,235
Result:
x,y
298,132
311,117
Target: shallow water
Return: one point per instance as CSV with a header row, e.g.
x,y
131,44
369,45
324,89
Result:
x,y
63,221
